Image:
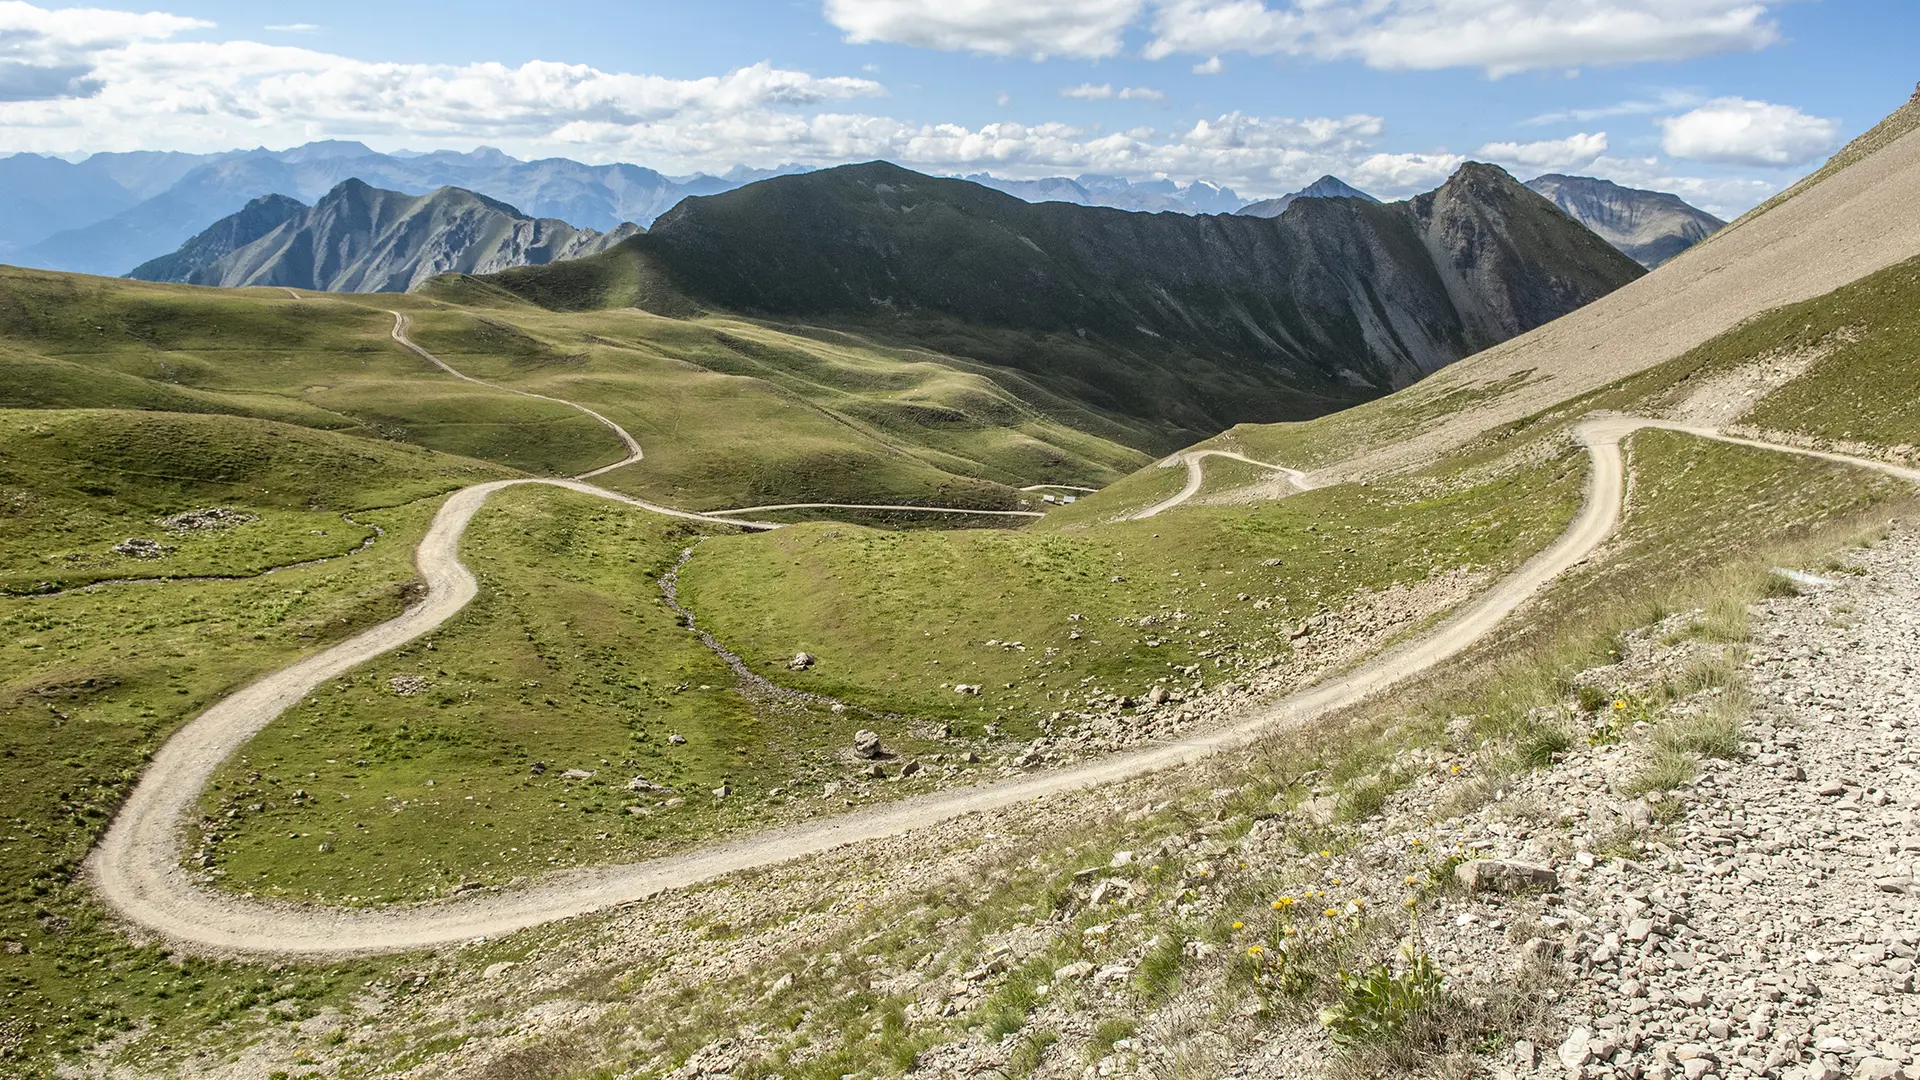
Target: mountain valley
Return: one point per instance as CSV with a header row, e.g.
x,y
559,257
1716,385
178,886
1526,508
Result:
x,y
856,623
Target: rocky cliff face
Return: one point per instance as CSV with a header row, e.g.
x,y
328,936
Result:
x,y
1198,321
222,238
359,238
1649,226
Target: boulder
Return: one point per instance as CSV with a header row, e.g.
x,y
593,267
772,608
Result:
x,y
867,744
1502,876
800,662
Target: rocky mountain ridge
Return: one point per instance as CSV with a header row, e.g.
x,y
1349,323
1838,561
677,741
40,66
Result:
x,y
359,238
1199,322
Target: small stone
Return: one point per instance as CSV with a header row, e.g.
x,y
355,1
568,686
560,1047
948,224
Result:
x,y
1576,1050
800,662
1877,1068
677,739
1691,996
866,744
1079,969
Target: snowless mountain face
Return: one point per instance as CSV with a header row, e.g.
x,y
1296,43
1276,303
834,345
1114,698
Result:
x,y
1649,226
359,238
116,211
1327,187
1194,322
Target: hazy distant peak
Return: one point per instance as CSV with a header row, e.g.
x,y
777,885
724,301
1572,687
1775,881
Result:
x,y
1649,226
1327,187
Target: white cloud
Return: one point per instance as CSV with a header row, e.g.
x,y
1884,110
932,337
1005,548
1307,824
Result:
x,y
1034,28
1552,155
117,81
1091,92
1498,36
1738,131
1390,174
293,28
1210,66
47,55
1665,101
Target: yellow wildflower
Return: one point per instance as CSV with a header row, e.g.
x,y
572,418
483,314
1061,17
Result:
x,y
1238,925
1330,913
1619,703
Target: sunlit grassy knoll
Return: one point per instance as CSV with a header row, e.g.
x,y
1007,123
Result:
x,y
733,413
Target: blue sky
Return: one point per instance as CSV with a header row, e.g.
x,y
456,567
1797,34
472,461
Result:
x,y
1724,101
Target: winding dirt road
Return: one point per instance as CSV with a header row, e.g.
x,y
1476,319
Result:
x,y
136,868
1195,476
878,506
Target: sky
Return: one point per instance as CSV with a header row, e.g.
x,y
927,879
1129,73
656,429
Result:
x,y
1721,101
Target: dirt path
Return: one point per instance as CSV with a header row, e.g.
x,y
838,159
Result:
x,y
634,453
1195,477
873,506
136,868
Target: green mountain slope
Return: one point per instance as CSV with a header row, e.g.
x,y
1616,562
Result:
x,y
1174,323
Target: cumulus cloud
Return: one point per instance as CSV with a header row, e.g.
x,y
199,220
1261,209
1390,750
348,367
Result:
x,y
49,55
1739,131
1499,36
1210,66
1090,92
1034,28
109,80
1572,152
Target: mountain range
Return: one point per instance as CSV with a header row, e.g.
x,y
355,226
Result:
x,y
1650,226
114,211
1194,322
359,238
1091,189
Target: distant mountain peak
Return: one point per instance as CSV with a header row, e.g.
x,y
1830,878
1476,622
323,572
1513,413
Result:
x,y
1327,187
1649,226
359,238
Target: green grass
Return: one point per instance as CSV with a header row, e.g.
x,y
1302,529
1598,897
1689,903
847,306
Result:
x,y
92,681
731,413
568,657
929,603
73,484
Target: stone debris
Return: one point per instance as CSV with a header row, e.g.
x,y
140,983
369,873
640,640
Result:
x,y
211,519
801,662
409,685
1500,876
136,547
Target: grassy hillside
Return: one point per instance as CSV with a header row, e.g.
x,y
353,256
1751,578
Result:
x,y
730,413
95,679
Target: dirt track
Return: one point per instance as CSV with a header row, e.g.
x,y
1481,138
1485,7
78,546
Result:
x,y
1195,477
136,868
